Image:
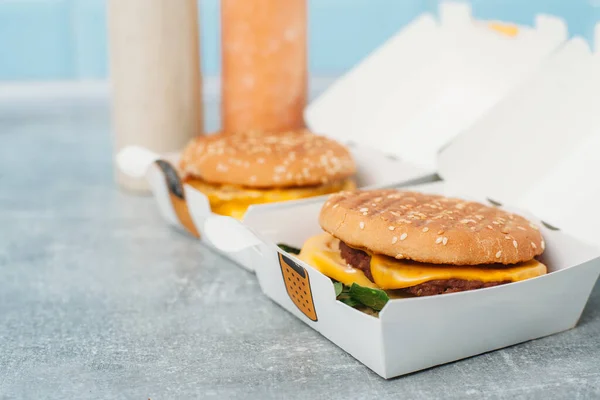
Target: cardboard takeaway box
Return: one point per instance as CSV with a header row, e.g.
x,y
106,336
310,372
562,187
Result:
x,y
531,143
186,208
430,81
416,62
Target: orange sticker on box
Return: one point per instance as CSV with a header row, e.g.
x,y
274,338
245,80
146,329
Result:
x,y
505,29
177,197
297,285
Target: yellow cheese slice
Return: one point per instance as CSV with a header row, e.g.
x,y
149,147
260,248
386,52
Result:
x,y
233,201
322,252
397,274
233,209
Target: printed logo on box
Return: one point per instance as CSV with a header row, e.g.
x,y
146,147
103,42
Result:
x,y
177,196
297,284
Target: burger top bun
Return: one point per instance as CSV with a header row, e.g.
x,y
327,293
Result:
x,y
430,228
264,160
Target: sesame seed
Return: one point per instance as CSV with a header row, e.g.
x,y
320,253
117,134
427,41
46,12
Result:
x,y
373,205
365,213
490,227
425,229
363,209
439,240
445,241
495,222
534,227
543,245
391,228
336,205
533,245
440,232
394,239
507,237
515,244
521,228
498,254
361,225
222,167
398,256
403,236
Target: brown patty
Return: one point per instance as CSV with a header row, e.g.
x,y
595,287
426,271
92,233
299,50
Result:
x,y
360,260
441,286
357,259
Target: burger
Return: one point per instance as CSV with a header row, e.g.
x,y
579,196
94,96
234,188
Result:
x,y
421,244
238,170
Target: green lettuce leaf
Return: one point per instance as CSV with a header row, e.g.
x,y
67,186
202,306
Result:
x,y
373,298
361,297
339,287
289,249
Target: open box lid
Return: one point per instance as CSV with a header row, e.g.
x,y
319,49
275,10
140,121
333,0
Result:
x,y
538,148
430,81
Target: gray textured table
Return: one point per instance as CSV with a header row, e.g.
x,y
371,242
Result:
x,y
100,299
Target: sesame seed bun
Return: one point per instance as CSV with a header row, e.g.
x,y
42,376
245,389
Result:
x,y
266,160
430,228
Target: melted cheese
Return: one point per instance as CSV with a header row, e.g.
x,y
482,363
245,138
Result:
x,y
233,201
233,209
322,252
397,274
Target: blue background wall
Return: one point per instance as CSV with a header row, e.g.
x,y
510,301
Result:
x,y
66,39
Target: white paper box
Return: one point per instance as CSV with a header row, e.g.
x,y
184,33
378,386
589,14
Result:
x,y
532,140
430,81
186,208
417,333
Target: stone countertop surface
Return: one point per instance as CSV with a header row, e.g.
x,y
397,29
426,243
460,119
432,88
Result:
x,y
100,299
